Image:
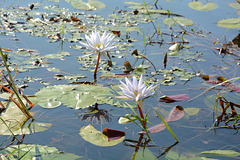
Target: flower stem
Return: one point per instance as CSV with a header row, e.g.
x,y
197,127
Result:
x,y
141,115
95,71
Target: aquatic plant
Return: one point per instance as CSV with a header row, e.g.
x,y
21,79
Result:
x,y
137,91
100,45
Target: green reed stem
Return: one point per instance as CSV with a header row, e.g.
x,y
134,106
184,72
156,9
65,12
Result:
x,y
12,85
9,129
167,126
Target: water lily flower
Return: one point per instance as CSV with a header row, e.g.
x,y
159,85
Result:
x,y
136,90
99,44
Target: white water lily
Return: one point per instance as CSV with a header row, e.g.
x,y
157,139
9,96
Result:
x,y
136,90
99,44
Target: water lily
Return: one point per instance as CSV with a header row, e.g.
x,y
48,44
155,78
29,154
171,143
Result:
x,y
136,90
99,44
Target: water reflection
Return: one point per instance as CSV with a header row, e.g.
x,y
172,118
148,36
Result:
x,y
95,114
141,148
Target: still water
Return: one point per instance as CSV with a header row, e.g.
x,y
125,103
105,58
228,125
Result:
x,y
193,130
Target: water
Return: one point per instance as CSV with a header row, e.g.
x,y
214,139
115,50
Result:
x,y
192,130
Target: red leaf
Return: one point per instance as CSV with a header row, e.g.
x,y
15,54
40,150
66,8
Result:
x,y
113,134
174,98
176,114
233,87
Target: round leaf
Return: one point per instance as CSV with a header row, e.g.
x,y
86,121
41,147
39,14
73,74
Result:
x,y
90,134
222,152
77,100
34,151
180,20
229,23
191,111
234,5
200,7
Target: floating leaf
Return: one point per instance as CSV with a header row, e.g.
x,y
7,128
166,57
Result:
x,y
90,5
78,96
174,98
124,120
77,100
63,53
180,20
200,7
90,134
229,23
176,114
13,116
113,134
34,151
49,103
191,111
54,70
222,152
175,47
136,5
143,154
174,155
234,5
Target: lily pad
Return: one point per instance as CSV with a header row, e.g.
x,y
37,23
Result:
x,y
49,103
78,96
90,134
229,23
77,100
34,151
143,154
90,5
200,7
180,20
222,152
13,116
54,70
234,5
191,111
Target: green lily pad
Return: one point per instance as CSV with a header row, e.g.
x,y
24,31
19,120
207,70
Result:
x,y
13,116
222,152
200,7
136,5
191,111
63,53
143,154
180,20
49,103
75,77
77,100
124,120
54,70
174,155
234,5
34,151
78,96
90,134
229,23
54,56
90,5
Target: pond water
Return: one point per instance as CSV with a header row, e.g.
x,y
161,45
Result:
x,y
57,61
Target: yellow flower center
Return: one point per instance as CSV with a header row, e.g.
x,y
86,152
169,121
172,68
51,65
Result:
x,y
136,93
99,45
